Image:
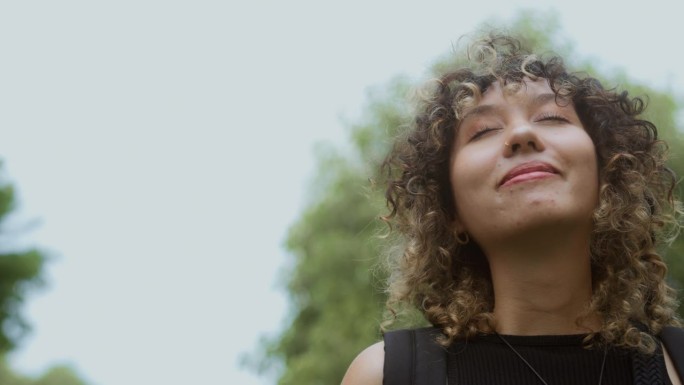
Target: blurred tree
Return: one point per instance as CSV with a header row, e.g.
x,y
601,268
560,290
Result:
x,y
20,271
334,286
57,375
9,377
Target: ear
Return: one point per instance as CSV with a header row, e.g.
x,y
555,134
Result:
x,y
460,232
458,226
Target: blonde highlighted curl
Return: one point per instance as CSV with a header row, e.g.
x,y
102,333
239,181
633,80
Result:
x,y
450,283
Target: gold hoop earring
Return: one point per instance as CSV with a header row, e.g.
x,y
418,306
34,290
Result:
x,y
462,238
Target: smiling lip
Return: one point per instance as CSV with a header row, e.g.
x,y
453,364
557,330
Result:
x,y
527,171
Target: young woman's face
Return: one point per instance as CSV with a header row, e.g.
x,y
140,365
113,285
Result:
x,y
521,162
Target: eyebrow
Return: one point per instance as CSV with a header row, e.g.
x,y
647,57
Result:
x,y
536,102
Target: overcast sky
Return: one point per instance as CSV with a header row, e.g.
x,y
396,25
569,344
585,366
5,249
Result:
x,y
162,148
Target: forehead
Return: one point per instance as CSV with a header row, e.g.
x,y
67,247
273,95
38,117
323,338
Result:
x,y
497,97
515,92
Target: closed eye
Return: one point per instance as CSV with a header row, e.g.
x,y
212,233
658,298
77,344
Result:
x,y
552,117
482,131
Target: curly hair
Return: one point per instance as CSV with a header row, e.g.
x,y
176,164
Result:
x,y
450,282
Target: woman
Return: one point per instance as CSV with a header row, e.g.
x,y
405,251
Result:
x,y
531,202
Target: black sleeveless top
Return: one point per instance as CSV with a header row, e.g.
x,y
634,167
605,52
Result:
x,y
560,360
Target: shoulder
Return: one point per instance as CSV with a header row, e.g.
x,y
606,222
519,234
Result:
x,y
671,370
672,344
367,367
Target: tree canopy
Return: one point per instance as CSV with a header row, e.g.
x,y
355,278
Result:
x,y
57,375
20,271
333,280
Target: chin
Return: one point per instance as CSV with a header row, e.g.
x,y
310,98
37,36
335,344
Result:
x,y
553,219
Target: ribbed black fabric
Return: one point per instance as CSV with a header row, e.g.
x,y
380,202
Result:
x,y
560,360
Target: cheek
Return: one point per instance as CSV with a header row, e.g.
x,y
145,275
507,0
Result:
x,y
590,158
468,174
460,177
586,161
472,166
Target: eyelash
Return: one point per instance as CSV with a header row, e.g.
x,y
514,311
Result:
x,y
552,116
481,131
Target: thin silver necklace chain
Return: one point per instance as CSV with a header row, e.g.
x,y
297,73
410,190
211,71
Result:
x,y
603,364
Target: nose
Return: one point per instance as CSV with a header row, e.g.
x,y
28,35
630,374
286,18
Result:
x,y
522,138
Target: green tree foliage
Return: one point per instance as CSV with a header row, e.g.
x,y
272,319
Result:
x,y
334,284
57,375
17,272
20,271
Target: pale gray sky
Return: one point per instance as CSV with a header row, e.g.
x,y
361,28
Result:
x,y
165,147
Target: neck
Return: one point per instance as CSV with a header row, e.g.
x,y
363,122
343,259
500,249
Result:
x,y
542,285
